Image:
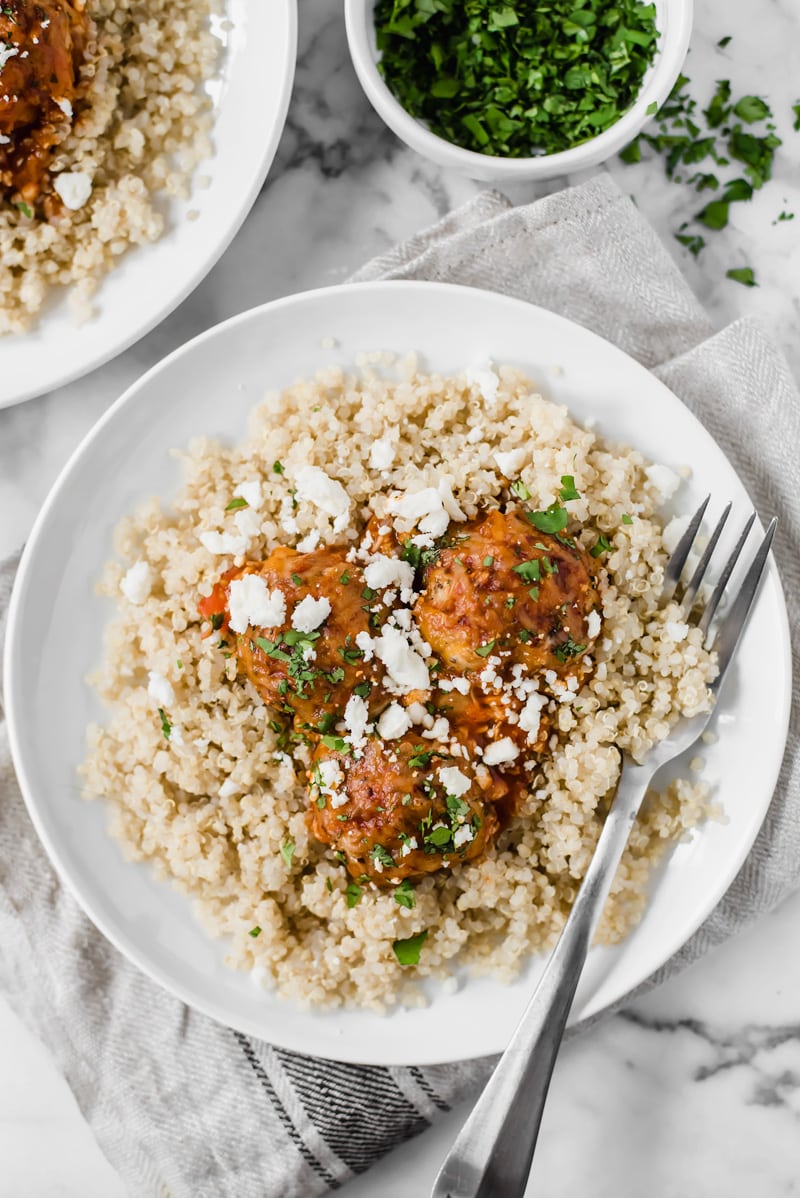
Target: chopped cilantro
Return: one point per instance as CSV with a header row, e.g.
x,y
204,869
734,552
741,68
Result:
x,y
362,690
524,635
25,209
381,855
438,836
796,111
297,580
368,594
602,545
488,561
256,931
510,601
287,851
519,489
485,650
345,578
784,216
534,594
337,743
352,655
329,885
235,503
626,519
554,519
751,108
166,727
278,467
407,951
321,802
724,41
404,895
652,109
568,649
421,758
743,275
216,620
529,571
568,491
353,894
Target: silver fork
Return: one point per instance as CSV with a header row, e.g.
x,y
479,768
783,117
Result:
x,y
491,1157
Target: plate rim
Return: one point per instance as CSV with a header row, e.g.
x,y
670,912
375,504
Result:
x,y
195,278
10,686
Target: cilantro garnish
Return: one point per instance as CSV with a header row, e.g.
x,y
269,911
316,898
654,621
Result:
x,y
534,594
554,519
404,895
568,490
407,951
519,489
626,519
256,931
353,894
362,690
297,580
529,571
751,109
743,275
488,561
568,649
25,209
381,855
485,650
368,594
509,79
278,467
235,503
287,852
421,758
796,111
602,545
723,42
166,727
345,578
337,743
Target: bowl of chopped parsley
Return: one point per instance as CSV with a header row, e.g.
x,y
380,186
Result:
x,y
505,90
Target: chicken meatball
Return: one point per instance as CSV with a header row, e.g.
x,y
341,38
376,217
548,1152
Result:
x,y
404,809
508,589
297,619
42,46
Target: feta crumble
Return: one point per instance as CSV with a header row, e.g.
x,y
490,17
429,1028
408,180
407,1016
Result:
x,y
510,463
251,602
381,454
463,835
406,669
501,752
356,718
310,613
160,689
74,187
593,624
665,481
485,379
137,582
250,492
394,722
226,543
382,571
454,782
324,492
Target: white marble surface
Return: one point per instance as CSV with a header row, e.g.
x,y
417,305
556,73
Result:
x,y
697,1089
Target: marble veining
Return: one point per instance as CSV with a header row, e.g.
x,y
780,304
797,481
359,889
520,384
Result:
x,y
695,1090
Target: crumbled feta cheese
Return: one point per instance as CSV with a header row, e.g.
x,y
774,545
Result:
x,y
454,782
223,542
356,718
228,788
310,613
74,187
673,531
394,722
250,492
309,542
463,835
431,509
420,715
593,624
251,602
366,645
160,689
500,752
66,108
406,669
475,435
409,846
455,684
530,716
383,571
440,730
381,454
7,52
330,774
247,523
510,463
484,378
338,799
665,481
4,141
677,631
315,486
290,525
137,582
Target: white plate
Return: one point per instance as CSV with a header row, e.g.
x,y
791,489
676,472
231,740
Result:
x,y
251,98
209,386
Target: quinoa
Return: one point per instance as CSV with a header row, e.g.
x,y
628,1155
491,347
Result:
x,y
200,786
143,126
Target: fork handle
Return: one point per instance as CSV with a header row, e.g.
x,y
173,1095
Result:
x,y
491,1158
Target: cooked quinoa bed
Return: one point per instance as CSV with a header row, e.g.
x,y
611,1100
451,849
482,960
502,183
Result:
x,y
212,806
144,128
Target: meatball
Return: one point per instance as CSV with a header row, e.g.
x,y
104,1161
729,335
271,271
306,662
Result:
x,y
507,589
309,674
42,47
404,809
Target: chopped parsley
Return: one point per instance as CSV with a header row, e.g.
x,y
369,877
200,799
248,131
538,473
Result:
x,y
256,931
381,856
345,578
25,209
626,519
488,561
368,594
519,489
297,580
422,758
321,799
278,467
353,894
723,42
235,503
407,951
534,594
166,727
337,743
329,885
524,635
515,79
287,852
404,895
216,620
485,650
743,275
362,690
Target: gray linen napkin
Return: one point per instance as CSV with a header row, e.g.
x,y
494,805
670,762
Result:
x,y
184,1106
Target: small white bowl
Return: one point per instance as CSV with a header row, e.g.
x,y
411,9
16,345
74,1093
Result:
x,y
674,22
